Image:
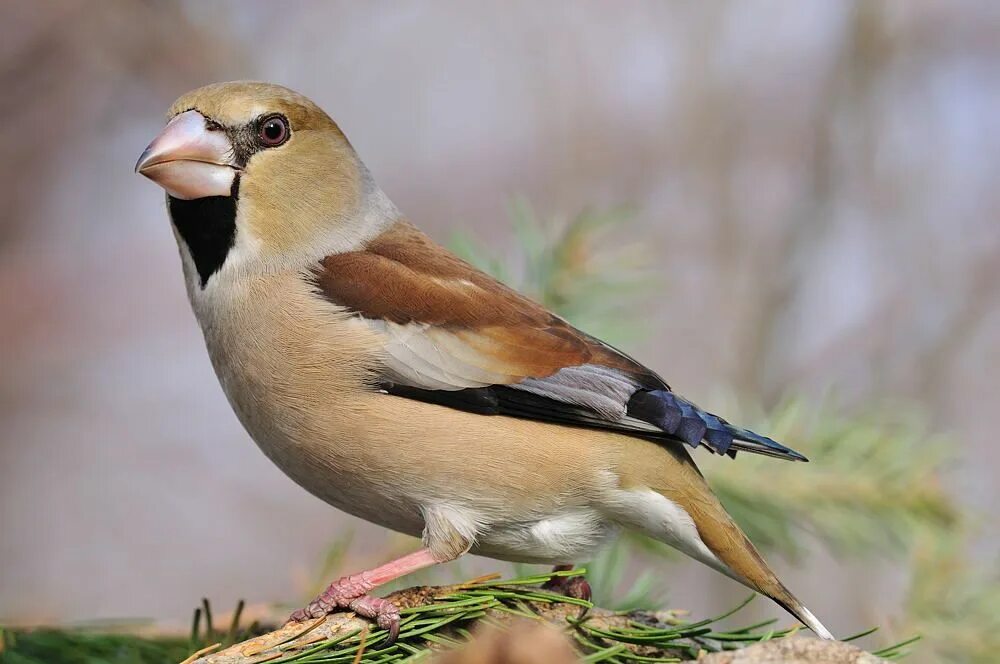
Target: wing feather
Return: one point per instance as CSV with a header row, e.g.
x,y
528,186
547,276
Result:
x,y
456,337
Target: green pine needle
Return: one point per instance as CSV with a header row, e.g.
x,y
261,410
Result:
x,y
447,622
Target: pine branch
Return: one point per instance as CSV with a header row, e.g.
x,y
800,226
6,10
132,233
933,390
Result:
x,y
436,619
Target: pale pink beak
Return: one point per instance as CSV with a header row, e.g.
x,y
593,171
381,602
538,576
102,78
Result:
x,y
189,160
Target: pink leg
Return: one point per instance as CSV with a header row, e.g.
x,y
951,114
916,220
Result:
x,y
351,592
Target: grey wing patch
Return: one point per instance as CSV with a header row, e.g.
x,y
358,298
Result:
x,y
604,390
424,358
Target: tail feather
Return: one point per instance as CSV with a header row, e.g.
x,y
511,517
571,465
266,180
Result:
x,y
676,506
679,417
745,564
804,615
810,621
764,581
716,540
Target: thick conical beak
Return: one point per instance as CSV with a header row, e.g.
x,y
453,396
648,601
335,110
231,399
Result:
x,y
189,160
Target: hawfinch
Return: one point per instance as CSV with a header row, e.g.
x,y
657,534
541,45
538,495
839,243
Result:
x,y
400,384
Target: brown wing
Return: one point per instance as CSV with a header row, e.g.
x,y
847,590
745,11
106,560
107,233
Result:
x,y
457,337
404,279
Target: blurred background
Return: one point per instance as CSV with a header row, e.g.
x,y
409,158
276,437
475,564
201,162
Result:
x,y
804,197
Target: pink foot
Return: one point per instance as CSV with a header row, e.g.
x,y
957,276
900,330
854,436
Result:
x,y
351,592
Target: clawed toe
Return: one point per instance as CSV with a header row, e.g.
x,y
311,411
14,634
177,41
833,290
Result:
x,y
382,611
576,587
301,615
350,593
572,586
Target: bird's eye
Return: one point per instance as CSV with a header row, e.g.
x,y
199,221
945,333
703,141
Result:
x,y
273,131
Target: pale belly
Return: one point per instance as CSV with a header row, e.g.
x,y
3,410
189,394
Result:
x,y
298,388
344,460
394,492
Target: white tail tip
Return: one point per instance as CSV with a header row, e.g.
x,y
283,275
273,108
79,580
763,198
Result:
x,y
815,625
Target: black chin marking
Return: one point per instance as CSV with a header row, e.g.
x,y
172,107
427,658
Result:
x,y
208,227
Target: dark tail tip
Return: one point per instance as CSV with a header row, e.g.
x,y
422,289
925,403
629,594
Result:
x,y
680,418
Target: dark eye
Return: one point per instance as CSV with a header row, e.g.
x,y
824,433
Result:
x,y
273,131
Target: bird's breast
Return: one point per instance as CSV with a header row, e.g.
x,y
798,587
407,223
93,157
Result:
x,y
296,370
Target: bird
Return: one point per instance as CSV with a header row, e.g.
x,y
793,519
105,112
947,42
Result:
x,y
400,384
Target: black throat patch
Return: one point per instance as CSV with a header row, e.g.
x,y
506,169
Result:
x,y
208,227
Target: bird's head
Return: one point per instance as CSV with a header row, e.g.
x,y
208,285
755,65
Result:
x,y
259,177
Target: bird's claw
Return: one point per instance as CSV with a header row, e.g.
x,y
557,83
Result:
x,y
571,586
351,592
382,611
